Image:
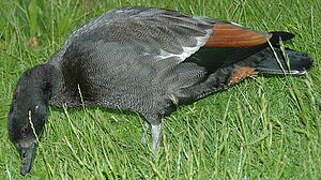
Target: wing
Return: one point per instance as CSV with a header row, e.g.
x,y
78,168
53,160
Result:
x,y
153,32
133,33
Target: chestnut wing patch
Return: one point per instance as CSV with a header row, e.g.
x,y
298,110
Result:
x,y
230,35
241,73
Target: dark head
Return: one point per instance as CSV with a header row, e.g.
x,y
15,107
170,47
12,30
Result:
x,y
29,112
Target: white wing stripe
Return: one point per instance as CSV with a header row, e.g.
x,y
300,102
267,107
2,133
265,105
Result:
x,y
187,51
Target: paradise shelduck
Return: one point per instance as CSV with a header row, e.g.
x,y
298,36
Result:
x,y
145,59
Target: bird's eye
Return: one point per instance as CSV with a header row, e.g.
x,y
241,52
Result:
x,y
24,131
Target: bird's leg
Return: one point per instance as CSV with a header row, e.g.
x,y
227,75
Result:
x,y
143,140
156,136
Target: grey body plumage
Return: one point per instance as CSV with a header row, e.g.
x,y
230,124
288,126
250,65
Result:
x,y
145,59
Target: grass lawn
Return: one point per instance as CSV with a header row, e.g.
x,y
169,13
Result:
x,y
263,128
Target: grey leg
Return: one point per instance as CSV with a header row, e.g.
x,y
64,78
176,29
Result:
x,y
143,140
157,137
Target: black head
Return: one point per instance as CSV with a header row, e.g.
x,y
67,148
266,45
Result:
x,y
28,113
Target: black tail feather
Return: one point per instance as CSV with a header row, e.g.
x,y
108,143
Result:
x,y
292,63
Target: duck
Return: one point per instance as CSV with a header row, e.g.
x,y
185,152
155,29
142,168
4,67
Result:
x,y
146,59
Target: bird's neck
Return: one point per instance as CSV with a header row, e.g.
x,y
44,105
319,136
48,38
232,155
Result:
x,y
38,83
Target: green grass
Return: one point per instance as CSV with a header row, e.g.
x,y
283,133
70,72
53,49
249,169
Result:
x,y
267,128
